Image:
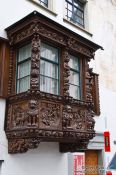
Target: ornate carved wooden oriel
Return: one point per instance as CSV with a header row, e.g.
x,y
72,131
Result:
x,y
35,116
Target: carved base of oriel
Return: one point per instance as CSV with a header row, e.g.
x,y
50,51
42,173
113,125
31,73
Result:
x,y
23,140
22,145
73,147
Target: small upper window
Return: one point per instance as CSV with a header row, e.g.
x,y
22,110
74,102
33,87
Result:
x,y
43,2
75,11
74,79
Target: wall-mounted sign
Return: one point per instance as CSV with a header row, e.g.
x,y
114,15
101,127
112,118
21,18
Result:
x,y
107,141
79,163
108,173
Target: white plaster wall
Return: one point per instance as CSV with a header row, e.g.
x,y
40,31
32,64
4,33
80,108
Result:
x,y
103,27
46,160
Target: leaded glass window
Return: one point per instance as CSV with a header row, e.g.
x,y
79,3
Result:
x,y
23,68
75,11
74,79
49,69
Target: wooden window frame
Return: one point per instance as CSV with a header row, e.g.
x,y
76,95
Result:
x,y
73,13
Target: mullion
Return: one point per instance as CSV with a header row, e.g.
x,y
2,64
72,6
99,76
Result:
x,y
50,61
23,77
78,16
53,63
49,77
27,59
75,85
74,70
72,4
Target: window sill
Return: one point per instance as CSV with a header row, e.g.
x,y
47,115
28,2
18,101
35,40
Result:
x,y
77,26
43,7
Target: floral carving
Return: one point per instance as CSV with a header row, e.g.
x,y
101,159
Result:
x,y
50,115
22,145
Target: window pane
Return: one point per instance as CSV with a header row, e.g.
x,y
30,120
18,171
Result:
x,y
74,78
78,4
49,52
24,69
74,63
70,14
74,91
48,69
70,7
48,85
70,1
43,2
78,12
23,84
24,53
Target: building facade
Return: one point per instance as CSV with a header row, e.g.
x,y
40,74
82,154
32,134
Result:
x,y
56,29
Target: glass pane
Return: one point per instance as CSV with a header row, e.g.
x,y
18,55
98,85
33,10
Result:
x,y
74,91
78,12
24,52
69,14
24,69
23,84
79,5
70,1
74,63
45,1
70,7
74,78
48,69
48,85
49,52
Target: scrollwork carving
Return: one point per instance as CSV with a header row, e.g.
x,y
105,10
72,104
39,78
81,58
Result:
x,y
50,116
22,145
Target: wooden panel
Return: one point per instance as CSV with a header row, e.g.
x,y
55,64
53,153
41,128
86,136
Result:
x,y
4,68
91,162
95,93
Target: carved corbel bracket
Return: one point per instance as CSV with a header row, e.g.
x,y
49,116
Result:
x,y
22,145
73,147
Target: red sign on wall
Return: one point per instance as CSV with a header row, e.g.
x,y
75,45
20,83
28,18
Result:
x,y
107,141
108,173
78,163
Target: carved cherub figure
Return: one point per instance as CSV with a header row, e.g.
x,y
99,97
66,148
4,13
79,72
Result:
x,y
32,113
